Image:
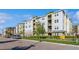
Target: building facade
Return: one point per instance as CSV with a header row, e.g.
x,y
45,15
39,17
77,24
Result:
x,y
28,27
76,30
20,29
9,31
54,23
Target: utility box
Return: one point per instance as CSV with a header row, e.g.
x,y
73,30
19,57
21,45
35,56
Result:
x,y
62,37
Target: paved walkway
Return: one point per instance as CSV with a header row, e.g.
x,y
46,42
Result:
x,y
15,44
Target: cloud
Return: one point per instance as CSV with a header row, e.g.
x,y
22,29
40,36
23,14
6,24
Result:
x,y
74,16
77,15
28,16
4,17
24,16
2,21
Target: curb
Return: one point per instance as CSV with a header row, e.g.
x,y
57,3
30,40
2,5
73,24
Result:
x,y
62,44
56,43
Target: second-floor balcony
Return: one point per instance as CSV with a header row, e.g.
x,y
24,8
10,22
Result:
x,y
49,24
49,21
49,30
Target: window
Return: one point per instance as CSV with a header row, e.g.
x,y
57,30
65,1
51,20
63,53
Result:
x,y
56,28
56,21
57,14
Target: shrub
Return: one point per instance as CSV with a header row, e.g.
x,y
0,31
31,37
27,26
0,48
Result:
x,y
70,36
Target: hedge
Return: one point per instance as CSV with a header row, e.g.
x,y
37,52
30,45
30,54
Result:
x,y
50,37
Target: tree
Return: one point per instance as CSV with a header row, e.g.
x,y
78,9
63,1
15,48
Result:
x,y
39,29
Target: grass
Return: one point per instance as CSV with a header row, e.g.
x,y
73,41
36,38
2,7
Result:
x,y
64,42
67,41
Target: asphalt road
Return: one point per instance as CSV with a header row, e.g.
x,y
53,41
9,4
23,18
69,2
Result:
x,y
17,44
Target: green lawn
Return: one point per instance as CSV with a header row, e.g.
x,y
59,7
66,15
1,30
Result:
x,y
67,41
64,42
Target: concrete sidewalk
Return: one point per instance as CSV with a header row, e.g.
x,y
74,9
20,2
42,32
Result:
x,y
33,45
55,43
53,46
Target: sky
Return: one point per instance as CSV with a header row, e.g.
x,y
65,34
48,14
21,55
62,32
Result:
x,y
11,17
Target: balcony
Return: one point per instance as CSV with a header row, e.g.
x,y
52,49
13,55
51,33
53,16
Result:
x,y
34,24
33,20
49,17
49,30
49,21
49,24
49,27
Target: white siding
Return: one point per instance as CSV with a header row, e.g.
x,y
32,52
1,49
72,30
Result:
x,y
60,19
16,29
63,24
69,26
28,28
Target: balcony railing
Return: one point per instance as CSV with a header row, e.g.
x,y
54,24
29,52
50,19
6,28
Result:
x,y
49,18
49,21
49,30
49,24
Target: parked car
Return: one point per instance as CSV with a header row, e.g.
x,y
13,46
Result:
x,y
16,36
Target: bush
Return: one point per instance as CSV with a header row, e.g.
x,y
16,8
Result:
x,y
53,39
68,40
70,36
50,37
42,37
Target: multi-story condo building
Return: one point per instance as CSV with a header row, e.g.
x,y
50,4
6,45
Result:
x,y
54,23
4,32
20,29
28,27
61,23
76,30
9,31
